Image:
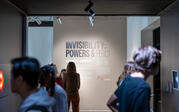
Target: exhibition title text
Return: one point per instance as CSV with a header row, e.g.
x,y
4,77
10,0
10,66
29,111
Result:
x,y
87,49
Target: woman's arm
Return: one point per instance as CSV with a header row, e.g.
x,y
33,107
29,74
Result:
x,y
112,103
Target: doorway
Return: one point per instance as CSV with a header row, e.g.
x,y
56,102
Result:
x,y
156,79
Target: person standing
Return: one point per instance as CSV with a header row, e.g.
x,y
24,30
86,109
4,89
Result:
x,y
48,75
59,77
72,86
134,92
113,103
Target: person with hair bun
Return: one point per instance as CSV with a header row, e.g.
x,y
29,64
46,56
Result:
x,y
59,76
48,76
134,92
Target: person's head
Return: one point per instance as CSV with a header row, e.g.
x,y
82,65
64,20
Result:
x,y
147,60
62,71
56,70
47,78
71,67
128,69
24,74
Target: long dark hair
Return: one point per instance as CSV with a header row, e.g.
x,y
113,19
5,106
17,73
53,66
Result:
x,y
47,79
71,67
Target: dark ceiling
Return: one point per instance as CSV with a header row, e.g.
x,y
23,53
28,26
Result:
x,y
101,7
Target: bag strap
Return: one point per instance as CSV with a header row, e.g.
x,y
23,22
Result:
x,y
38,107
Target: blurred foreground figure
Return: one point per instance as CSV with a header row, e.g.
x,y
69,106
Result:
x,y
134,92
24,81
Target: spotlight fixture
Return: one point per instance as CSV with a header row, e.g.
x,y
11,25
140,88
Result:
x,y
88,7
37,19
59,20
34,19
30,19
91,12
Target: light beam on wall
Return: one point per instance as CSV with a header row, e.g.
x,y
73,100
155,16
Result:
x,y
91,12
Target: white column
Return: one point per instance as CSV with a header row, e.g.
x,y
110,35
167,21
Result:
x,y
40,44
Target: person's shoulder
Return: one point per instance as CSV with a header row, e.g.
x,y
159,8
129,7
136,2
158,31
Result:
x,y
143,86
59,89
136,79
60,92
133,81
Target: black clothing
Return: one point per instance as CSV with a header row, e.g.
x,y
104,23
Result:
x,y
134,95
71,83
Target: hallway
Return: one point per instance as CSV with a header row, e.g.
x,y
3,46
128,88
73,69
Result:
x,y
99,42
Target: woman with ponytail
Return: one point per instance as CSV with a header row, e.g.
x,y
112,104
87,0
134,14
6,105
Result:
x,y
48,75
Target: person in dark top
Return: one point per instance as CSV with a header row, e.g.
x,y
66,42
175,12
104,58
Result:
x,y
72,86
134,95
113,102
134,92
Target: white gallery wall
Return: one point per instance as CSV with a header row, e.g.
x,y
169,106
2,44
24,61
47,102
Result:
x,y
40,44
134,28
99,53
10,47
135,24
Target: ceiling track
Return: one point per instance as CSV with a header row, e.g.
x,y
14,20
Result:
x,y
168,8
15,7
89,15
